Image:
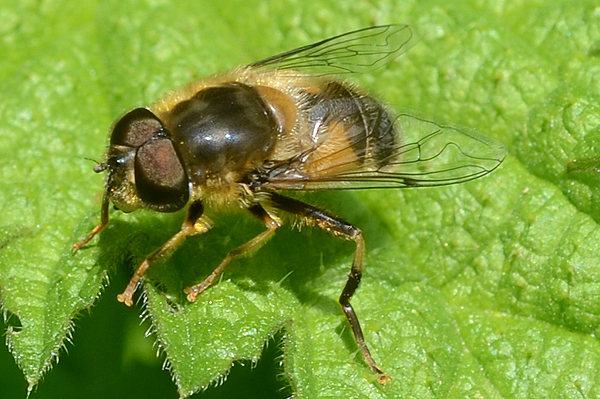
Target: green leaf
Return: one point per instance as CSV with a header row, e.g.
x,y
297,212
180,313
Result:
x,y
486,289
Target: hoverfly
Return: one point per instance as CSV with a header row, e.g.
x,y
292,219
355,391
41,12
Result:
x,y
285,123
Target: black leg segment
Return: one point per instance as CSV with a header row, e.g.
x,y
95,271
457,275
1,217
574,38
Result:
x,y
340,228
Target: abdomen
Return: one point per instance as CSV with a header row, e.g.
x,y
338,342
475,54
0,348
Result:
x,y
349,128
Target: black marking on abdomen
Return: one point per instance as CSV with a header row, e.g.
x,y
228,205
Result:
x,y
368,127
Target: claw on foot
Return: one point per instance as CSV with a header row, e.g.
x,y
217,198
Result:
x,y
195,290
127,296
126,299
192,293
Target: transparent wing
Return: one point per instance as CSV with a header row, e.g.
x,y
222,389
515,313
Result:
x,y
353,52
425,154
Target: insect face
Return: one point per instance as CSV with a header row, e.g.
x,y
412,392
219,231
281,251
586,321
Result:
x,y
144,169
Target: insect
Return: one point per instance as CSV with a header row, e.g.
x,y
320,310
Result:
x,y
286,123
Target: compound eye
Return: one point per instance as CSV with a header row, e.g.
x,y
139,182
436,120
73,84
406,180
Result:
x,y
135,128
160,179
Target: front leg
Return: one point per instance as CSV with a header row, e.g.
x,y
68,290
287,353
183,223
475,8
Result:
x,y
340,228
103,223
194,224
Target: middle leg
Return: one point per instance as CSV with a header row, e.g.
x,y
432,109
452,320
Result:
x,y
272,225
